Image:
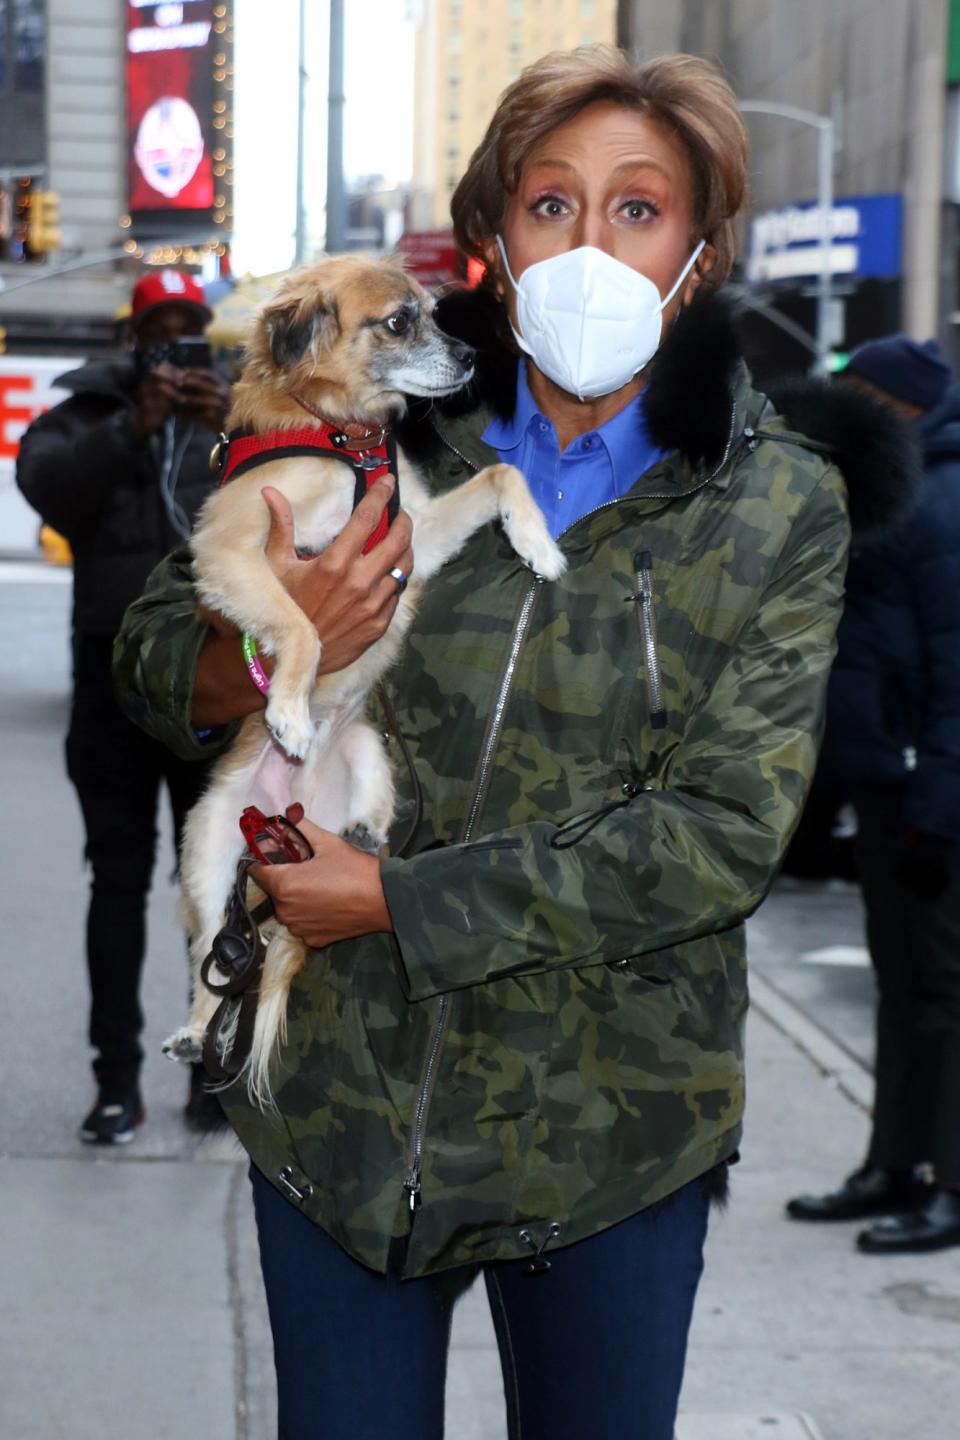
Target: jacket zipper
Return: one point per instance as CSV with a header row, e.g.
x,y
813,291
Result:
x,y
459,453
412,1181
496,722
412,1178
647,620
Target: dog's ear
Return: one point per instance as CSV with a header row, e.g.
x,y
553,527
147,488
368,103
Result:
x,y
292,331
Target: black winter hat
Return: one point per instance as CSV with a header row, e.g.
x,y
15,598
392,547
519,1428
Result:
x,y
917,374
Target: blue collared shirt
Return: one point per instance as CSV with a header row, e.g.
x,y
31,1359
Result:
x,y
599,466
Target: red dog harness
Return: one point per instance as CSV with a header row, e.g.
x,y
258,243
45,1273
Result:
x,y
243,450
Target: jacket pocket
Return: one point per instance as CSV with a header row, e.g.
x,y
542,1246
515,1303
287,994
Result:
x,y
643,596
644,971
501,842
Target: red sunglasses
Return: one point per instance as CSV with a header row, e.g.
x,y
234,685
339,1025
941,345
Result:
x,y
273,840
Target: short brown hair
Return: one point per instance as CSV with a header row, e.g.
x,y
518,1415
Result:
x,y
689,96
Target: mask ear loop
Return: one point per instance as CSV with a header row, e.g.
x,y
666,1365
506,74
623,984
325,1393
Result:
x,y
506,262
683,275
516,333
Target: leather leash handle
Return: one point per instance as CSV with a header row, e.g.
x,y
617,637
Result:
x,y
228,1068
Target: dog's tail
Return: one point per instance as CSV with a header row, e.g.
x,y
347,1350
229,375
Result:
x,y
285,957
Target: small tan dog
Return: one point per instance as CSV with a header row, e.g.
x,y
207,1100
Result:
x,y
342,341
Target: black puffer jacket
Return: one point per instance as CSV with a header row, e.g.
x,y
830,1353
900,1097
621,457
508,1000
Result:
x,y
82,469
893,714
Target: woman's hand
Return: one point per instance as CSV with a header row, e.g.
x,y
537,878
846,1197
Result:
x,y
335,896
350,597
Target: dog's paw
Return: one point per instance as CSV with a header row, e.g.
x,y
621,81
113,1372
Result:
x,y
534,546
363,839
184,1044
291,727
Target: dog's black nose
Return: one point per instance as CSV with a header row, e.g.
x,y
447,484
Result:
x,y
462,353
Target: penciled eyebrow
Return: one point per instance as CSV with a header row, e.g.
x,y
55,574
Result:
x,y
623,168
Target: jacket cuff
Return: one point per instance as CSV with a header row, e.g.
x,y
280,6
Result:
x,y
401,892
163,708
461,914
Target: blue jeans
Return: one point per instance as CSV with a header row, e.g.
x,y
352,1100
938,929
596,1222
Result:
x,y
592,1349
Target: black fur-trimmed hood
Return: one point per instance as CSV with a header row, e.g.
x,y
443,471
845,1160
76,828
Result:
x,y
690,402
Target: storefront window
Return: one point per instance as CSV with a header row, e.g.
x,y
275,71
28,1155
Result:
x,y
28,44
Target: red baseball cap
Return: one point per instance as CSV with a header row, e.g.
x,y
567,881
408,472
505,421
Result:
x,y
167,287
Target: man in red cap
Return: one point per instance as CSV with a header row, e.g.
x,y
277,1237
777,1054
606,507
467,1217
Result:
x,y
120,468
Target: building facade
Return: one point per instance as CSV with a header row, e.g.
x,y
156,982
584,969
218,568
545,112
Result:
x,y
466,54
22,76
62,130
73,81
881,70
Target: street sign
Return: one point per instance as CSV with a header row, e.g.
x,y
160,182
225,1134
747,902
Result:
x,y
865,240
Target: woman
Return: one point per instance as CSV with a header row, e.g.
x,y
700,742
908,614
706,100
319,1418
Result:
x,y
522,1050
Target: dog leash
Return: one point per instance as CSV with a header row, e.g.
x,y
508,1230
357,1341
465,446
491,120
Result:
x,y
238,951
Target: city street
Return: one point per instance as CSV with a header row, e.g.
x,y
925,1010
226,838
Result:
x,y
132,1306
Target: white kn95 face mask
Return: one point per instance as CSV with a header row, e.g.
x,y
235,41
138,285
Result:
x,y
588,321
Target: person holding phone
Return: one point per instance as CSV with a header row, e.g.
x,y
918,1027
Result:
x,y
120,468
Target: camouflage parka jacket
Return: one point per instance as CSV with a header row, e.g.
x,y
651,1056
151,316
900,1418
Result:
x,y
611,768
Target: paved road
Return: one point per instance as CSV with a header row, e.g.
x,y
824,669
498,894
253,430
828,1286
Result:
x,y
132,1307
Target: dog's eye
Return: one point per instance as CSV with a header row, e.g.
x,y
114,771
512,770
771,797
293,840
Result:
x,y
399,323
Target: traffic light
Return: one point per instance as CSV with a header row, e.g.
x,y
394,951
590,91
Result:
x,y
43,231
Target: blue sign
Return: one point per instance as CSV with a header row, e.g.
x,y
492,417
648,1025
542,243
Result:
x,y
865,240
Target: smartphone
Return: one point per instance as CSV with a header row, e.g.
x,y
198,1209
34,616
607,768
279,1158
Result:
x,y
191,352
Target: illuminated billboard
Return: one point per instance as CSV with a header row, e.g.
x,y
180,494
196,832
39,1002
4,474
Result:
x,y
179,120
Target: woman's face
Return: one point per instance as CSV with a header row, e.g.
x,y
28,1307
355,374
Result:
x,y
613,179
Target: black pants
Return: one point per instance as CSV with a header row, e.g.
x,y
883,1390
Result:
x,y
915,948
117,770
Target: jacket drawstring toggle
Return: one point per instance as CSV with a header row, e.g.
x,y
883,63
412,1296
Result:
x,y
539,1265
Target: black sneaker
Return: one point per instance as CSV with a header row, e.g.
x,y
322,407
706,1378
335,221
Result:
x,y
113,1119
203,1111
